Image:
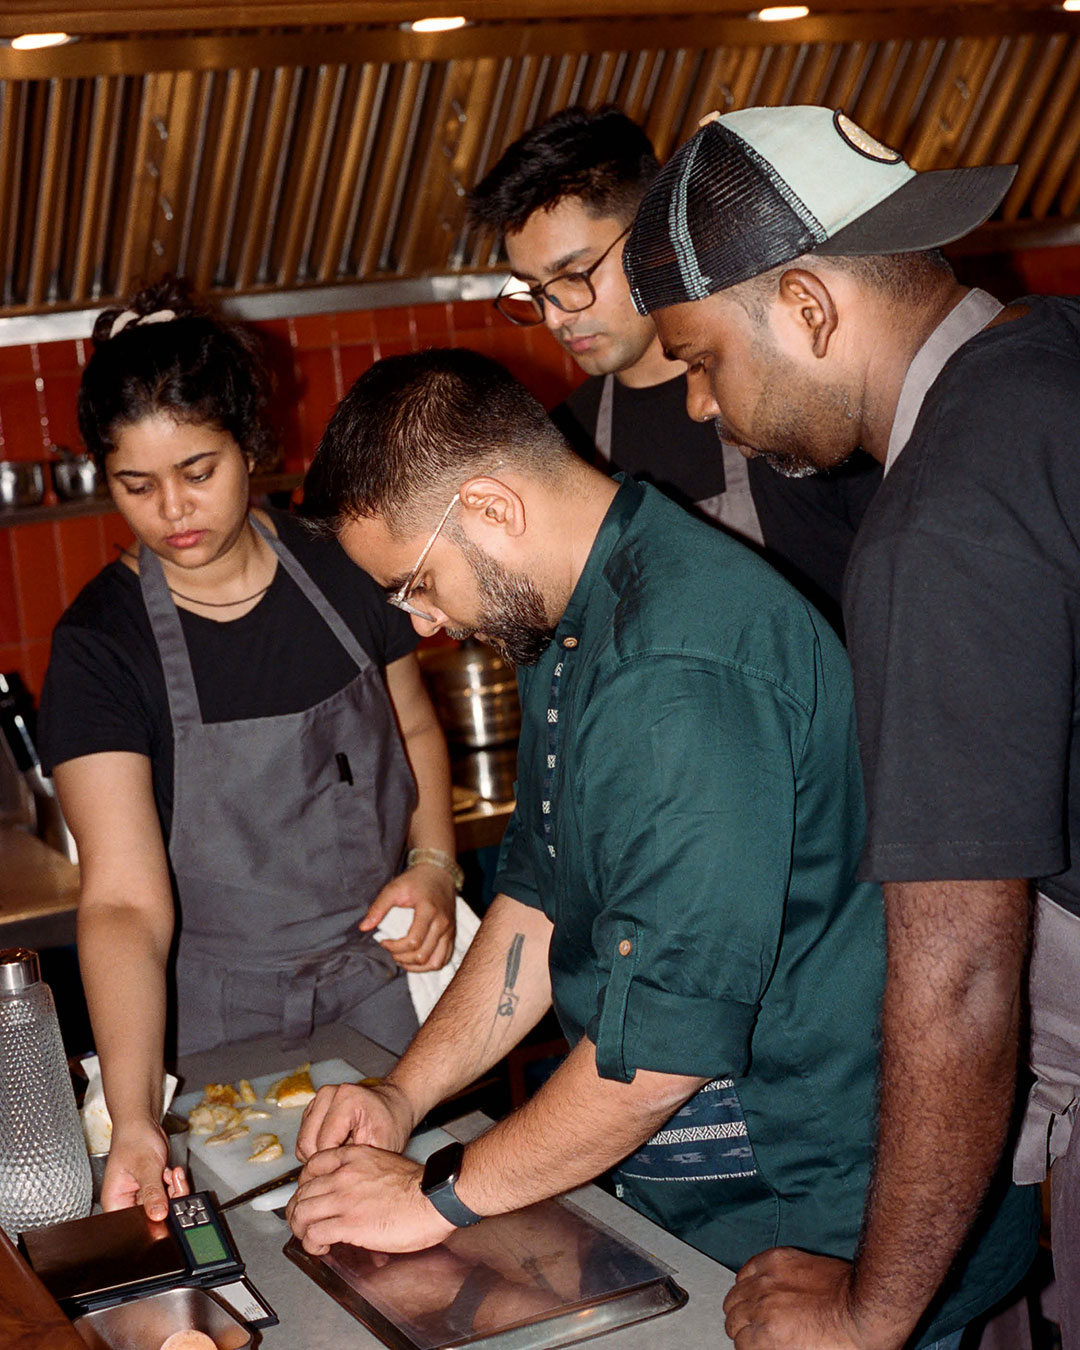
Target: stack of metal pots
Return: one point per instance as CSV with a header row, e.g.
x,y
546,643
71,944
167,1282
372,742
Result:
x,y
475,695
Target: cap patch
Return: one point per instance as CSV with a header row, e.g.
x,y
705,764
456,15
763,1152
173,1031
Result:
x,y
862,141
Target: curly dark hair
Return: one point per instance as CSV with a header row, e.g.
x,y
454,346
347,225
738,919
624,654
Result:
x,y
599,156
196,367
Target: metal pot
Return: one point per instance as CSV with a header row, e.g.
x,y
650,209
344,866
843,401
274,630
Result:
x,y
489,773
22,482
475,694
75,477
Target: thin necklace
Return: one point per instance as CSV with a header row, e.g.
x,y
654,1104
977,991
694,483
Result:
x,y
220,604
212,604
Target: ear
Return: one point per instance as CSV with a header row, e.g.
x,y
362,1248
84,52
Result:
x,y
808,302
494,505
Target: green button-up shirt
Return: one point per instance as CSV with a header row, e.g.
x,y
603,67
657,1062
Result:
x,y
689,816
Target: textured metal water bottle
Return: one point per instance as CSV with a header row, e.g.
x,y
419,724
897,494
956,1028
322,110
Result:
x,y
44,1168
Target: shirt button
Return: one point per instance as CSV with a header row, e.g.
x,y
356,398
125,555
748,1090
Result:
x,y
625,947
569,642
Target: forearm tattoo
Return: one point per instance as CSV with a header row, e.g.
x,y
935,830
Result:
x,y
508,999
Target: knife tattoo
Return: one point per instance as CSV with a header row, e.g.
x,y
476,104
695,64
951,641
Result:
x,y
508,999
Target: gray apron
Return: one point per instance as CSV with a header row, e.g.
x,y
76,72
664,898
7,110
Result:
x,y
733,508
284,829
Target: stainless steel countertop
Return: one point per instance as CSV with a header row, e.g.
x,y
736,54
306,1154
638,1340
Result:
x,y
310,1320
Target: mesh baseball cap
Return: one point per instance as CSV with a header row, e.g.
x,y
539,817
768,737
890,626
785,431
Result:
x,y
756,188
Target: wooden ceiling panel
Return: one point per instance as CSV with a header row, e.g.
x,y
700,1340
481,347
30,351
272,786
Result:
x,y
274,161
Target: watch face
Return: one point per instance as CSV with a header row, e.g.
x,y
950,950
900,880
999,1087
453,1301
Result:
x,y
442,1167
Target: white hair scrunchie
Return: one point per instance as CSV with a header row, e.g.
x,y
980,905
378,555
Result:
x,y
130,316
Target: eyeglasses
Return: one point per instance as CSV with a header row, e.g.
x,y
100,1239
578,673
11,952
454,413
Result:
x,y
400,598
572,292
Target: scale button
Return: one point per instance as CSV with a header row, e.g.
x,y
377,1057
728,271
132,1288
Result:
x,y
185,1220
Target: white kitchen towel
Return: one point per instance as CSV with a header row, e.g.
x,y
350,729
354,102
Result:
x,y
96,1121
425,989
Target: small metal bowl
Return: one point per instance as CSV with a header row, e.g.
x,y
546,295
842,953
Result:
x,y
22,482
75,478
145,1322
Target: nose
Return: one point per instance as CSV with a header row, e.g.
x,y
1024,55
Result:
x,y
701,403
173,499
427,627
554,317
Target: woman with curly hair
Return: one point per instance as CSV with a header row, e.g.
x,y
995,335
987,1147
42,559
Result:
x,y
241,743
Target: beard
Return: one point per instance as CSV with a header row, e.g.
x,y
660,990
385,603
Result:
x,y
512,618
801,427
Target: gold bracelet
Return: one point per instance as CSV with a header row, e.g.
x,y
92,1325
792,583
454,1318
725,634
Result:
x,y
440,859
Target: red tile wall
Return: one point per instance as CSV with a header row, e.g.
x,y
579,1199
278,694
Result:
x,y
315,358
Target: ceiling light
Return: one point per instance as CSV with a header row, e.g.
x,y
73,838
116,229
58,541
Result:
x,y
1072,6
777,13
440,25
30,42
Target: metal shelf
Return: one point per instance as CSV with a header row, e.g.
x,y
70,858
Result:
x,y
100,506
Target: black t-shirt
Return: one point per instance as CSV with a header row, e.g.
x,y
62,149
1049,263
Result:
x,y
962,604
105,688
808,524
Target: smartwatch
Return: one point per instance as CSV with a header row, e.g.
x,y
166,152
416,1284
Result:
x,y
440,1177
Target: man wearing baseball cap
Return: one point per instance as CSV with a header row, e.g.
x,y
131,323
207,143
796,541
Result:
x,y
790,260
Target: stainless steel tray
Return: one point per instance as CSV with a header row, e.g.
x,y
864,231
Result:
x,y
542,1277
146,1322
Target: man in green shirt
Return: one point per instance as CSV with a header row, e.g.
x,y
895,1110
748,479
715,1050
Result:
x,y
678,878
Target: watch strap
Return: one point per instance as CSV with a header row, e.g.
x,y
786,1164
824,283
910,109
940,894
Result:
x,y
444,1165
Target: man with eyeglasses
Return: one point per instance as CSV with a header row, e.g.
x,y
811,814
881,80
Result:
x,y
563,198
678,877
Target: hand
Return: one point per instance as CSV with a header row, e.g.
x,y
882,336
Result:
x,y
347,1114
786,1299
367,1197
428,890
137,1172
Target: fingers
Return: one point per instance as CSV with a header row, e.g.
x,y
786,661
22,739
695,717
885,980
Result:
x,y
135,1177
324,1162
428,943
153,1200
345,1114
176,1182
378,910
311,1122
440,954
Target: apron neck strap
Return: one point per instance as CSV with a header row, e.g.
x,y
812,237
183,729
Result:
x,y
969,317
169,635
319,602
605,417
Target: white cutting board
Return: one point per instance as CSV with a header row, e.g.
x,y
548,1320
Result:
x,y
228,1163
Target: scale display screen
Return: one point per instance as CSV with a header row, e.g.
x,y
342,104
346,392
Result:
x,y
205,1245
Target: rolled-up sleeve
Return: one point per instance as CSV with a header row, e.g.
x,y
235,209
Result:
x,y
515,875
691,819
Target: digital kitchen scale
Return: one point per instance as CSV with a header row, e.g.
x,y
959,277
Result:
x,y
111,1258
546,1276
